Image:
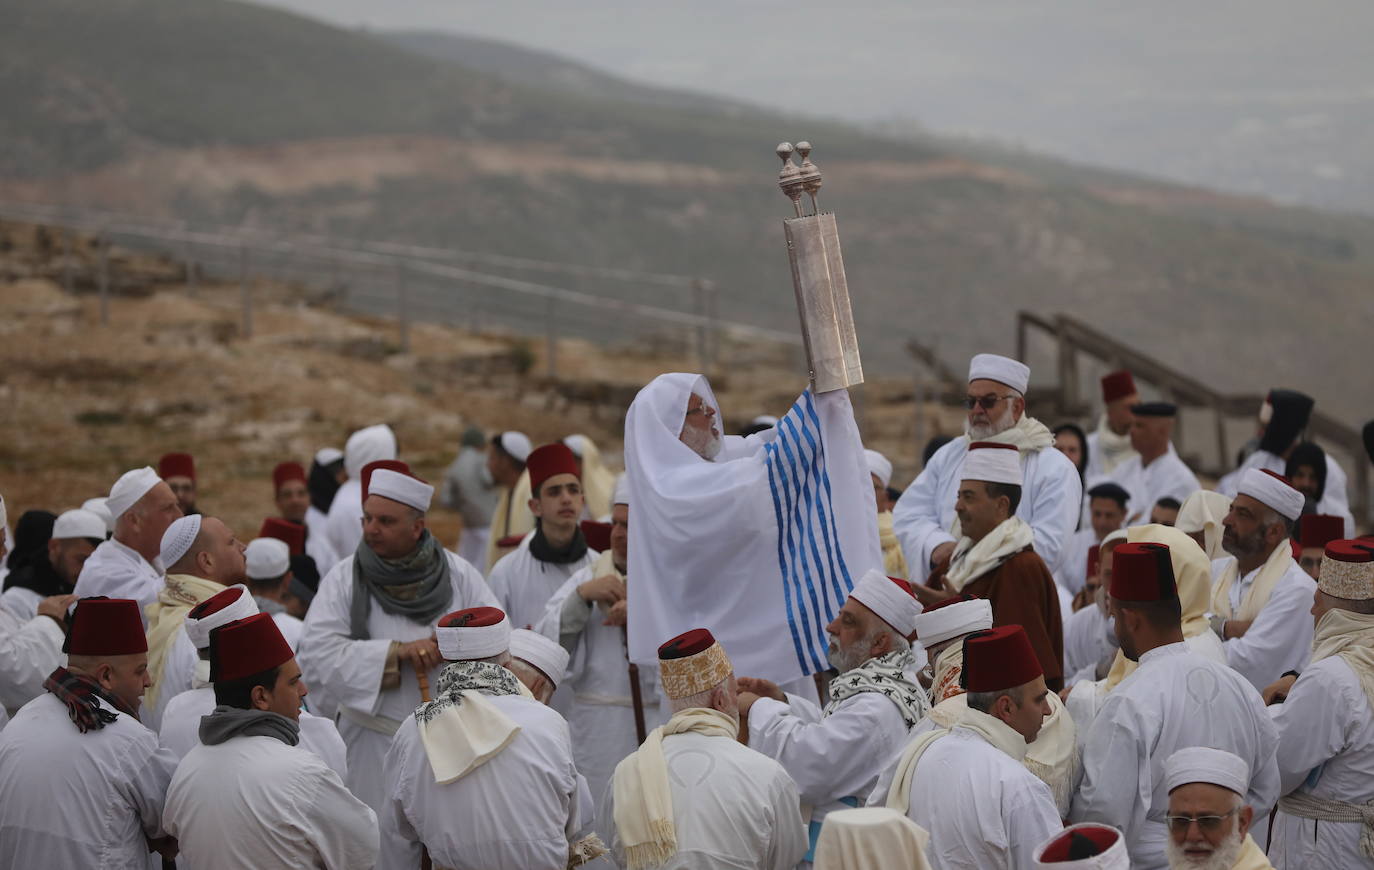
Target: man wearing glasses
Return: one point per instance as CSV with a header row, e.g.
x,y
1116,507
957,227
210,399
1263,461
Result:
x,y
1052,493
1209,821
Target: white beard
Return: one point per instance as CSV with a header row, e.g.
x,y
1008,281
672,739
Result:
x,y
702,442
980,432
1222,858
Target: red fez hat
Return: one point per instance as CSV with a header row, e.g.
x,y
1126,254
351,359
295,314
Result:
x,y
963,596
176,465
549,460
292,534
1355,550
1142,572
246,647
473,617
103,626
1084,841
286,471
1094,559
1318,530
598,535
689,643
1117,385
378,465
1000,658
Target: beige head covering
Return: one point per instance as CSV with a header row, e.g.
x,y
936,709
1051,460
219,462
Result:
x,y
871,838
1203,512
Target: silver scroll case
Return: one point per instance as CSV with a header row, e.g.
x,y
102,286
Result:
x,y
813,247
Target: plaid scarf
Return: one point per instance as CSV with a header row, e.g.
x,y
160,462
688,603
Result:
x,y
82,696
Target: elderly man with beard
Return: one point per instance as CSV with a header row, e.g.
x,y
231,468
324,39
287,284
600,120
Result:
x,y
1209,821
835,755
1053,493
1260,592
790,510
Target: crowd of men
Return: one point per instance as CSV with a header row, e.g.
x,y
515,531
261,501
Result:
x,y
1053,649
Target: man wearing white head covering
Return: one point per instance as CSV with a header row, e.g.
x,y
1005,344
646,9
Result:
x,y
100,508
587,616
835,755
791,508
872,838
370,628
29,648
482,776
1200,516
1326,725
54,570
343,527
539,662
880,469
180,728
1206,784
127,565
1260,594
202,556
1053,493
512,518
267,564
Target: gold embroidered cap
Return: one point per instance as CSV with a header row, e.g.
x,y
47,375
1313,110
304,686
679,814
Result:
x,y
692,663
1348,570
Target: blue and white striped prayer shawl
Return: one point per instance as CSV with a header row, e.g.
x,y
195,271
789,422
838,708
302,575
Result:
x,y
762,545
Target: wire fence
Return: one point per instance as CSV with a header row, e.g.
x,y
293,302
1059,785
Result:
x,y
413,284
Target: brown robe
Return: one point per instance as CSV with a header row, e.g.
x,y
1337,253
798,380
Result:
x,y
1022,592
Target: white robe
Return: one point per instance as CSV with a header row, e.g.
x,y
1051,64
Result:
x,y
523,584
1072,574
344,526
117,571
29,651
1051,498
733,808
259,802
1175,699
984,810
70,800
180,731
1097,468
1335,497
178,675
1326,749
601,714
835,760
350,671
21,602
1165,477
517,810
1281,637
1088,639
317,543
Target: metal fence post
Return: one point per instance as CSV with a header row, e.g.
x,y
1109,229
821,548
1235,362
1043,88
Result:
x,y
245,294
402,305
103,276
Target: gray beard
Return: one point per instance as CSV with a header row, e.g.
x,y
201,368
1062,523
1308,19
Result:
x,y
702,443
993,427
1223,858
844,660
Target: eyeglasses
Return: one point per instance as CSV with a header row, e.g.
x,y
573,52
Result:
x,y
704,409
986,402
1205,824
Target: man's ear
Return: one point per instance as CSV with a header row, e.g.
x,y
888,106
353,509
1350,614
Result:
x,y
1244,818
104,675
536,507
261,698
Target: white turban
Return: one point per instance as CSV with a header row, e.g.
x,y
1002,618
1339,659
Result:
x,y
548,656
267,559
1272,492
178,538
1204,764
518,445
999,463
467,642
328,455
622,490
78,524
368,445
130,487
1203,512
879,466
198,630
1054,853
575,444
893,604
1003,370
942,623
407,490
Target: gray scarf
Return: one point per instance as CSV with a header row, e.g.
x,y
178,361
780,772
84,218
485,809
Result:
x,y
415,586
457,677
229,722
885,675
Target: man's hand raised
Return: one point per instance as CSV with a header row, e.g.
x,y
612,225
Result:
x,y
761,688
606,589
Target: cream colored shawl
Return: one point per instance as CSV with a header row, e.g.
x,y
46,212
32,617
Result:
x,y
1260,589
511,517
990,728
643,800
871,838
166,615
598,481
971,561
1350,636
944,683
1203,512
1113,449
894,562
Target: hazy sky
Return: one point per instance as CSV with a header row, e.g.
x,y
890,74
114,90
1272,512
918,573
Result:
x,y
1265,95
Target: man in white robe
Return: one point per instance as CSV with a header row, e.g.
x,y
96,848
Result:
x,y
511,519
292,495
127,565
180,727
202,556
835,755
29,650
524,579
1052,492
1174,699
1155,472
82,781
54,570
248,795
482,776
1109,445
967,785
1326,724
692,797
365,644
1106,514
268,574
344,527
1259,593
1206,784
587,616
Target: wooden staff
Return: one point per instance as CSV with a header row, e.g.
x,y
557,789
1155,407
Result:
x,y
636,696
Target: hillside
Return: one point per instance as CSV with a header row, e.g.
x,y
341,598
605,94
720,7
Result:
x,y
232,113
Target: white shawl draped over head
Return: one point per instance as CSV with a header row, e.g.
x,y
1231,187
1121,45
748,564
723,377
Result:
x,y
763,544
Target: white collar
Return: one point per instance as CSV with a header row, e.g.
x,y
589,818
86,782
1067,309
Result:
x,y
1169,649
